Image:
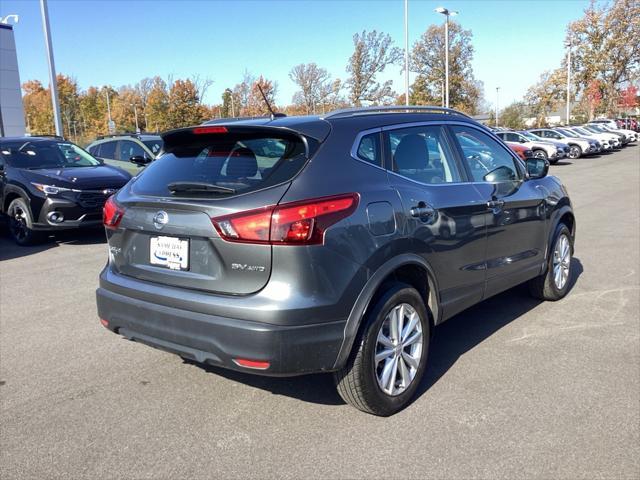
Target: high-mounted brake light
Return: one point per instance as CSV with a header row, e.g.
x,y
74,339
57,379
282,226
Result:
x,y
112,213
296,223
204,130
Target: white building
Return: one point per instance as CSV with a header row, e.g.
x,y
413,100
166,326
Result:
x,y
11,108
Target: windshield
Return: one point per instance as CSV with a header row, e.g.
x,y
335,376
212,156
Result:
x,y
222,165
566,132
530,136
154,145
582,131
33,155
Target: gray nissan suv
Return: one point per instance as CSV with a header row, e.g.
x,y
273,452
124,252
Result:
x,y
335,243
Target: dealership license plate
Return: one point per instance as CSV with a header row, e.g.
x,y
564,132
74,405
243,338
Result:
x,y
169,252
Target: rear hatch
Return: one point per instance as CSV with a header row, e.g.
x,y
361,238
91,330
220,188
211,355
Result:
x,y
166,234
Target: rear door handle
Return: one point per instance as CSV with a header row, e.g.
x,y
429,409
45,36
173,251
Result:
x,y
495,204
422,210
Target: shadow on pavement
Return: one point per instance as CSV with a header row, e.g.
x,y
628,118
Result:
x,y
452,339
10,250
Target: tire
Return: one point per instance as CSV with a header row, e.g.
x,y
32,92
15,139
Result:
x,y
359,382
546,286
575,152
540,154
21,223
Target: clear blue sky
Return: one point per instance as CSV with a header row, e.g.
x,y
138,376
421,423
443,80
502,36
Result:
x,y
120,42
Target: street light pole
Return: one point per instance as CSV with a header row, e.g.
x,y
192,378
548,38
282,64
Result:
x,y
406,52
447,13
52,67
569,82
135,112
108,106
497,94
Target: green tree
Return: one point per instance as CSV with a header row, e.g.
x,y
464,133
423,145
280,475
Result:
x,y
373,52
428,61
227,109
513,116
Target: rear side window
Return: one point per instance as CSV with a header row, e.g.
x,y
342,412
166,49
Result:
x,y
485,158
421,154
232,163
369,148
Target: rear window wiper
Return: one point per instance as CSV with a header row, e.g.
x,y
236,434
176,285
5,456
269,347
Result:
x,y
198,187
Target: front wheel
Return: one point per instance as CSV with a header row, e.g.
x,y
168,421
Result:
x,y
390,354
540,154
554,283
575,152
21,223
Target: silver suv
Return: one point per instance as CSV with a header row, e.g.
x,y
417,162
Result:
x,y
129,151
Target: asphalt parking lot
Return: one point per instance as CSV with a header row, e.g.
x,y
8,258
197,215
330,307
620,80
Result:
x,y
516,388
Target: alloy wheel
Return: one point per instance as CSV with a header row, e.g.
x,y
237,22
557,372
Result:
x,y
18,223
398,349
561,262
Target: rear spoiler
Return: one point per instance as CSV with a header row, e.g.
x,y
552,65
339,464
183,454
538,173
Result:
x,y
202,134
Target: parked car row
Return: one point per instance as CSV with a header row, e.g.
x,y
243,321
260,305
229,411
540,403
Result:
x,y
572,142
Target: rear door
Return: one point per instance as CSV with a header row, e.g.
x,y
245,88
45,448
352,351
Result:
x,y
445,215
167,233
516,228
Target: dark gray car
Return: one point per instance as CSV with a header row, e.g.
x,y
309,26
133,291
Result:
x,y
295,245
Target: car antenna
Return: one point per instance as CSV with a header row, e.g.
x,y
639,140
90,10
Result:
x,y
264,97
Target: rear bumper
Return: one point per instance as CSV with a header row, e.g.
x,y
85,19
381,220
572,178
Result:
x,y
218,340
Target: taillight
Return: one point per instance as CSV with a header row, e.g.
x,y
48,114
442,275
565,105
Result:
x,y
296,223
111,213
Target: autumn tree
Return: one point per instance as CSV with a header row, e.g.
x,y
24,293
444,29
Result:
x,y
314,83
184,105
157,108
373,52
37,107
427,59
607,48
546,95
227,109
256,105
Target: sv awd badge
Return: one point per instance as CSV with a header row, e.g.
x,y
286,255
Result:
x,y
247,268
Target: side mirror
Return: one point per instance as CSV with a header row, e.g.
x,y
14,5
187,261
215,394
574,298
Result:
x,y
522,140
140,160
537,167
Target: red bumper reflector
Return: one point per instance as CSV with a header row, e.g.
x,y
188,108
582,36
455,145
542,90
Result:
x,y
105,323
256,364
204,130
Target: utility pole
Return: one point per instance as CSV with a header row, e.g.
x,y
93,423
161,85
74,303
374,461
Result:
x,y
406,52
52,67
497,95
568,82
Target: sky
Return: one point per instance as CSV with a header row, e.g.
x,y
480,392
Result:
x,y
119,42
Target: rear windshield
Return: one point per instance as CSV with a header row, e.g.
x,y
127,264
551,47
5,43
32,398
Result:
x,y
235,164
154,145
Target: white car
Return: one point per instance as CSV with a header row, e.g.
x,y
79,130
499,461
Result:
x,y
621,139
541,149
630,134
608,141
577,146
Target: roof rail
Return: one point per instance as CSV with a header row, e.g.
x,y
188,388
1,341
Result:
x,y
126,134
352,112
47,135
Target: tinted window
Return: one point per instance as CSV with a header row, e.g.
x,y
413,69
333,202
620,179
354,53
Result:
x,y
107,150
486,159
34,155
369,148
128,149
421,154
231,162
154,145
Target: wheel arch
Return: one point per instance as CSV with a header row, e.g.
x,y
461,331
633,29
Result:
x,y
407,268
11,192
